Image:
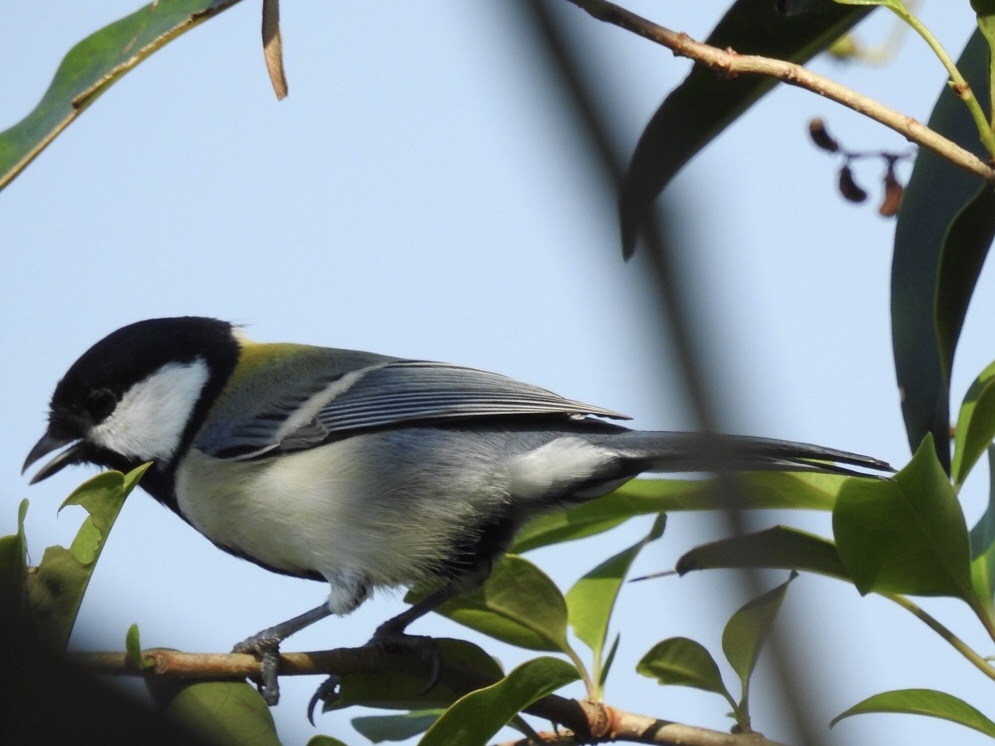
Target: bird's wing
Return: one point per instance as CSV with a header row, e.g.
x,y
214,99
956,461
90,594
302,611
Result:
x,y
387,393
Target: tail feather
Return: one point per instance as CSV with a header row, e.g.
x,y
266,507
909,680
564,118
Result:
x,y
692,452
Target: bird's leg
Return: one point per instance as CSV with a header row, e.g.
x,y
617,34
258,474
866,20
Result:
x,y
266,645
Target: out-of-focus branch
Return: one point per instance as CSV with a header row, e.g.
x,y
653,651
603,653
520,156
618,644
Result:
x,y
728,62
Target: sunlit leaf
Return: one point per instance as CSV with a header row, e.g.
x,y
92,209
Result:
x,y
591,600
906,535
923,702
680,661
518,604
475,718
975,425
228,713
91,67
55,590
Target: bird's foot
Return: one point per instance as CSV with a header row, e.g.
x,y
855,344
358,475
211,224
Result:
x,y
267,649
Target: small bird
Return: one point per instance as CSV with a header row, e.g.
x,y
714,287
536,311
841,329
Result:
x,y
361,470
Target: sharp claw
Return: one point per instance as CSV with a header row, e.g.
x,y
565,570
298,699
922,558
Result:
x,y
328,690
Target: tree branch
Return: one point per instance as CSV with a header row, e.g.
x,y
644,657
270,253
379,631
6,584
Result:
x,y
588,722
727,62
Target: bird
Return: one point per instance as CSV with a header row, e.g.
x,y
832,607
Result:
x,y
357,469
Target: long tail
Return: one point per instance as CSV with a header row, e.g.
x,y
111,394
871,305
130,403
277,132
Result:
x,y
694,452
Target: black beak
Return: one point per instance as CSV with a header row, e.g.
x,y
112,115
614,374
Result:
x,y
45,446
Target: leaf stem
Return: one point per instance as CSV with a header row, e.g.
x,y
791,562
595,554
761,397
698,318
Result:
x,y
959,645
958,82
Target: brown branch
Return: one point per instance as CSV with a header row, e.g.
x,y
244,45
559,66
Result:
x,y
588,722
729,63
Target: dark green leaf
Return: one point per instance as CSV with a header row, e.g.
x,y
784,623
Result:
x,y
13,566
518,605
680,661
325,741
944,229
91,67
744,635
905,535
780,547
707,102
407,691
475,718
225,712
592,598
55,591
379,728
923,702
985,10
975,425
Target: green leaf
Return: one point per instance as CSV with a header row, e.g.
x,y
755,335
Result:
x,y
780,547
518,605
944,229
591,600
983,546
906,535
923,702
679,661
13,566
892,4
475,718
91,67
743,637
985,10
975,425
228,713
323,740
379,728
400,691
706,102
55,591
758,490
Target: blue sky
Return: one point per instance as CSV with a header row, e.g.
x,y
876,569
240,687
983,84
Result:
x,y
419,194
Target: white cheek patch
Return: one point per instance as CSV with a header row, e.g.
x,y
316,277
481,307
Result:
x,y
151,416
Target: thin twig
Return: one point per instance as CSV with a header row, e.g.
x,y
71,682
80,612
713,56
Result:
x,y
731,64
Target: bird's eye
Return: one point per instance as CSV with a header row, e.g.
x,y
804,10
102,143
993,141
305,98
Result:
x,y
101,403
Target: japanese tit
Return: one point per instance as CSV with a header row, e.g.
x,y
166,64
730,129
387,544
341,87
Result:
x,y
361,470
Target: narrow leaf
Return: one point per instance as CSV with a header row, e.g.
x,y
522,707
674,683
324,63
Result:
x,y
591,600
905,535
475,718
91,67
983,546
706,102
944,229
927,702
780,548
975,425
13,566
680,661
